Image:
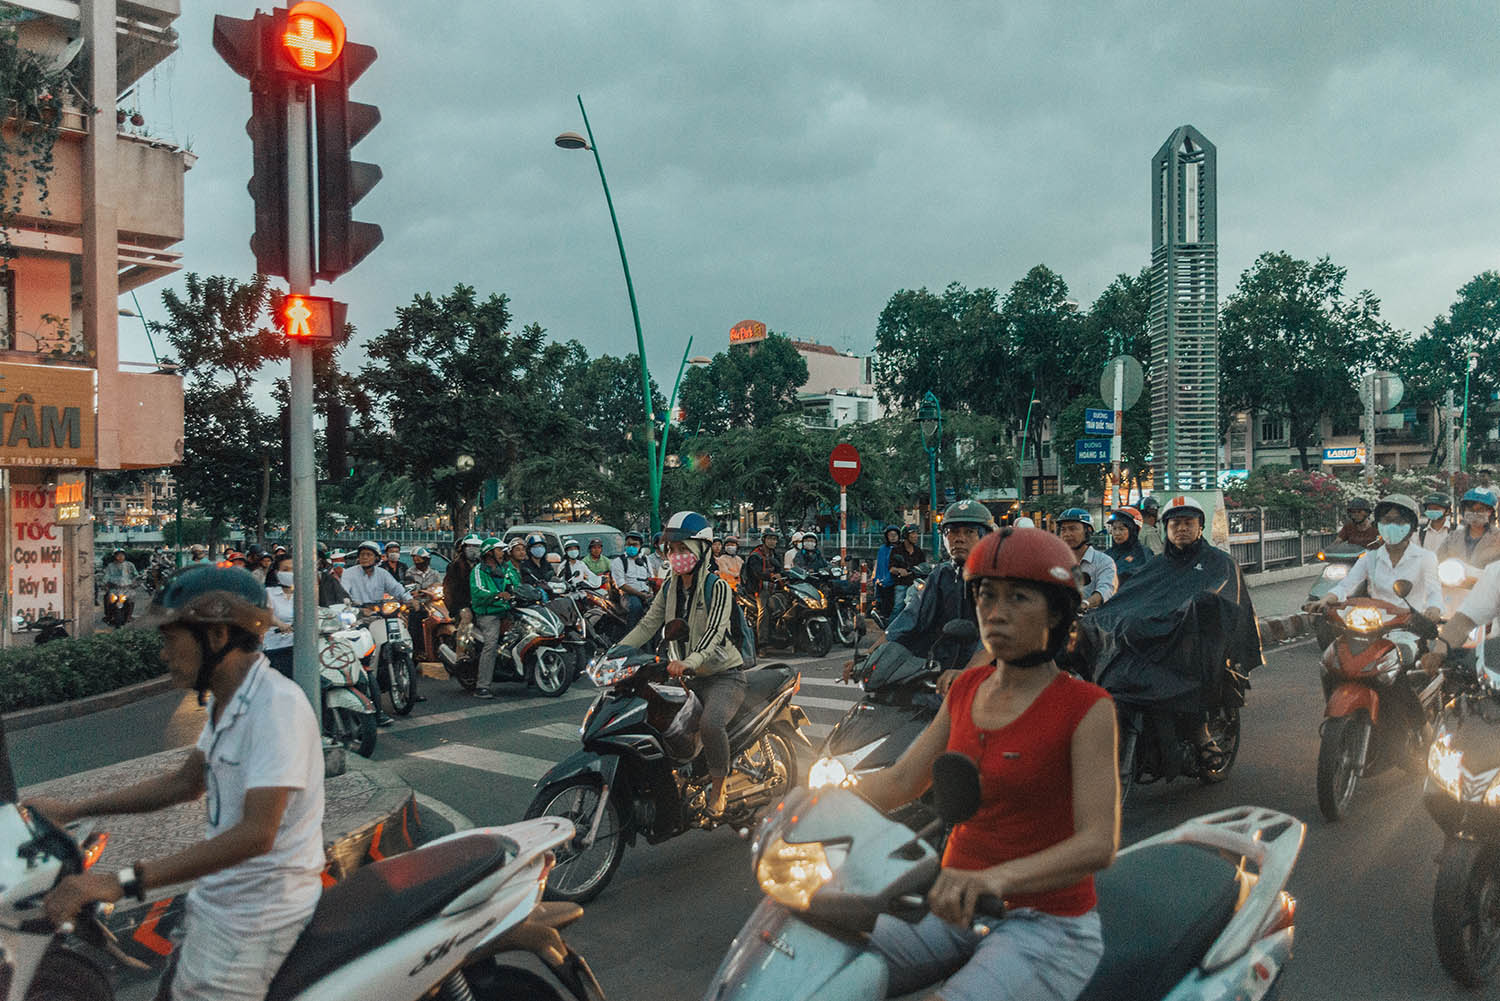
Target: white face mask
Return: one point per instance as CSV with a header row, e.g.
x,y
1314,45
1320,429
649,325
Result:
x,y
1476,518
571,554
284,578
731,550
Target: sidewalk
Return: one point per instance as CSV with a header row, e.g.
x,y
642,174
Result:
x,y
370,813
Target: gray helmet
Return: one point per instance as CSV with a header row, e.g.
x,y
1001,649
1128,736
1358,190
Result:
x,y
1398,502
969,512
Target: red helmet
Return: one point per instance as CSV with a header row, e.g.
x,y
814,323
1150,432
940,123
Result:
x,y
1023,554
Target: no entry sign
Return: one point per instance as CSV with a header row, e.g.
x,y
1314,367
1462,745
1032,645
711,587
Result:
x,y
843,464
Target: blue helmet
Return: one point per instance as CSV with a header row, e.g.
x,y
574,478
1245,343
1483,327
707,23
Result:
x,y
688,526
1077,514
1480,495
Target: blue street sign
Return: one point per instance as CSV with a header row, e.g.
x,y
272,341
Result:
x,y
950,495
1098,421
1091,450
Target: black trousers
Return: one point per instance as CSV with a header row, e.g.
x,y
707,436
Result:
x,y
722,695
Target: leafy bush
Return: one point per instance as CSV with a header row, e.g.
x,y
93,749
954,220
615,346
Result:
x,y
77,667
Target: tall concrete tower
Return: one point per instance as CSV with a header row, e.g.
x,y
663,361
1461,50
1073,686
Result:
x,y
1184,318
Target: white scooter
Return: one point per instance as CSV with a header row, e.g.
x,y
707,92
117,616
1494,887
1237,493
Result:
x,y
348,713
1197,912
392,665
427,922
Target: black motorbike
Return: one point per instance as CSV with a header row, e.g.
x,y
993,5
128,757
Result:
x,y
900,700
1462,793
842,599
913,592
640,773
46,627
799,615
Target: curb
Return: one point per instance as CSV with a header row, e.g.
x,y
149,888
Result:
x,y
21,719
1285,574
1278,629
145,931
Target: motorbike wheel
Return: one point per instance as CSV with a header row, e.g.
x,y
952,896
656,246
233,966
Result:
x,y
1466,911
553,673
848,634
64,975
815,638
1224,727
580,877
489,981
778,742
1338,763
396,672
355,731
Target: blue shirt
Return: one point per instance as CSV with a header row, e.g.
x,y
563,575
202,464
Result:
x,y
1101,571
883,565
369,588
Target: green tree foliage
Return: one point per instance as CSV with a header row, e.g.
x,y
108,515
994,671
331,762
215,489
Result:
x,y
231,464
1135,444
920,338
450,378
1437,361
1292,344
749,385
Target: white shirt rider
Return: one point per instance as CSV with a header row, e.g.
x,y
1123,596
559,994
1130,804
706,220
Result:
x,y
1417,565
574,571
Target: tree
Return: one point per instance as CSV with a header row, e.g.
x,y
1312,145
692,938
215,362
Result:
x,y
919,337
1437,361
1292,345
231,449
749,385
1135,443
451,379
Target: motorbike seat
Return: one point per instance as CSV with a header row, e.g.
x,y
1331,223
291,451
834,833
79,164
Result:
x,y
382,901
1160,909
762,684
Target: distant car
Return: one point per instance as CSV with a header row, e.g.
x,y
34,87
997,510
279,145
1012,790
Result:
x,y
558,532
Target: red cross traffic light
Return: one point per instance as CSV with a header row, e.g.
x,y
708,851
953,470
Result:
x,y
314,37
312,317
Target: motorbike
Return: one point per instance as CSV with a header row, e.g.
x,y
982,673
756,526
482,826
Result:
x,y
604,620
432,921
1197,912
919,574
1462,796
799,615
639,773
46,627
118,605
348,714
535,648
393,664
1339,557
842,604
1159,744
900,700
1379,709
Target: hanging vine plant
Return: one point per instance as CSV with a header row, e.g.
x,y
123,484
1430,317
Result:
x,y
31,101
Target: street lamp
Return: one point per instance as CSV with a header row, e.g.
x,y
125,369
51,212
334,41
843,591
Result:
x,y
572,140
930,419
1464,445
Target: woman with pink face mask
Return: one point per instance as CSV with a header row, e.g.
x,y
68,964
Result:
x,y
695,593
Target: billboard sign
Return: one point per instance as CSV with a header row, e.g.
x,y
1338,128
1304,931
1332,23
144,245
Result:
x,y
747,332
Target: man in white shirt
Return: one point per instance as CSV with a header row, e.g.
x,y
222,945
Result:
x,y
1481,607
1433,530
1075,526
631,573
259,765
573,570
1397,559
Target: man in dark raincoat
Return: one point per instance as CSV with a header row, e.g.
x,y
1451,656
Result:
x,y
1183,636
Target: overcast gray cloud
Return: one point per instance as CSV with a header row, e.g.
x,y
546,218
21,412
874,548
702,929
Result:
x,y
797,163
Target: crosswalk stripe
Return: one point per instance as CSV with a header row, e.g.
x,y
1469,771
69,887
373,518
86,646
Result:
x,y
830,683
490,709
818,703
498,762
556,731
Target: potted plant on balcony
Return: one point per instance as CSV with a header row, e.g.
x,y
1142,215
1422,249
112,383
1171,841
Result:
x,y
31,96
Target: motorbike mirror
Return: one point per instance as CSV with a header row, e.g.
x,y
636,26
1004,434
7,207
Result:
x,y
961,629
675,630
1402,589
955,786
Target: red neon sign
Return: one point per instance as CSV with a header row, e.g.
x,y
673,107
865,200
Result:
x,y
314,36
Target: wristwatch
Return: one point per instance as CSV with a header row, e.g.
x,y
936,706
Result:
x,y
131,883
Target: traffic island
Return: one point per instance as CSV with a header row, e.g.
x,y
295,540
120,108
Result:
x,y
370,813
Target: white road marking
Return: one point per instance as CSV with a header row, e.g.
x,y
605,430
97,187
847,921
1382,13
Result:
x,y
816,703
843,686
500,762
556,731
499,705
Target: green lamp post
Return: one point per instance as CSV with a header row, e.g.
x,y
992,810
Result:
x,y
930,419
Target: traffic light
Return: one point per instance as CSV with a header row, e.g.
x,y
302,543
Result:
x,y
312,317
244,45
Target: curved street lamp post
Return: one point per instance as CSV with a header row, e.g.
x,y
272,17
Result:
x,y
930,419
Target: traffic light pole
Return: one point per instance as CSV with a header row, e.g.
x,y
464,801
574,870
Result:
x,y
304,482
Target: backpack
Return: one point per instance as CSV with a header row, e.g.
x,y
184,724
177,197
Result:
x,y
740,633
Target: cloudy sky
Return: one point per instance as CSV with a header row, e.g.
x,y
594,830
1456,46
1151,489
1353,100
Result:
x,y
797,163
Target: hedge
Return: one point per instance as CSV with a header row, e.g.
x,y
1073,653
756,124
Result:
x,y
77,667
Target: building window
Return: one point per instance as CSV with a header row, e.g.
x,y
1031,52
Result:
x,y
1272,431
8,307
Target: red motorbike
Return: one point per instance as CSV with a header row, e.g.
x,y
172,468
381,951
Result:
x,y
1380,709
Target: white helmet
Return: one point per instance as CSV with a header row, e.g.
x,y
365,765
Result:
x,y
686,526
1024,522
372,546
1183,505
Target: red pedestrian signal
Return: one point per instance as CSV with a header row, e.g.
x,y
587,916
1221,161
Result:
x,y
314,37
312,318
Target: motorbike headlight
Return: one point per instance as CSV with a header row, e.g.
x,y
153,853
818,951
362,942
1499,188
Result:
x,y
390,607
437,592
1363,618
605,673
1451,572
791,874
1446,766
828,772
348,617
1336,571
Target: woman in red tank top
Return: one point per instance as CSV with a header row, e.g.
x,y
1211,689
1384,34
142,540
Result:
x,y
1049,814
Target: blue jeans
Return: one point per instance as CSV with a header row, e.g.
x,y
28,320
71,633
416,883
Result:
x,y
634,609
